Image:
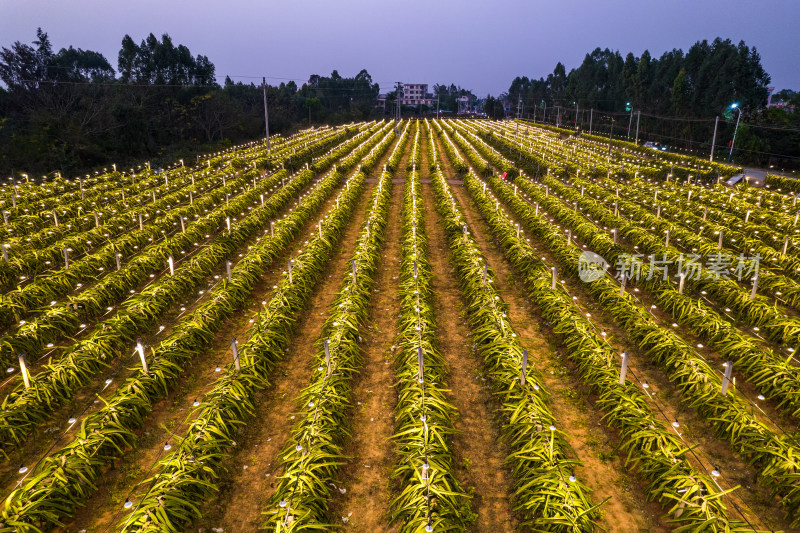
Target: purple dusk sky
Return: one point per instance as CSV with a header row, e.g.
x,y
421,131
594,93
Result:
x,y
479,45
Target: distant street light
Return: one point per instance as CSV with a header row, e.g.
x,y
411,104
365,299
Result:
x,y
738,117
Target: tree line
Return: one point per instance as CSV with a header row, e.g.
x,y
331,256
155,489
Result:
x,y
70,110
678,95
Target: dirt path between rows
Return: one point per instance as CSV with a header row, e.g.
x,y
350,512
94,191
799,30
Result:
x,y
592,442
168,421
364,505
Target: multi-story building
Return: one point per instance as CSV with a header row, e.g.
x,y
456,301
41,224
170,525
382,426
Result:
x,y
417,94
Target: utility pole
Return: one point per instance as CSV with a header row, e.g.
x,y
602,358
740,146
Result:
x,y
630,123
266,111
739,109
399,102
638,116
610,133
714,139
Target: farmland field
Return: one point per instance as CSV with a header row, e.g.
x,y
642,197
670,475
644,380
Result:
x,y
403,327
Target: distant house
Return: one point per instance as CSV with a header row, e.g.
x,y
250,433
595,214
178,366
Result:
x,y
415,94
465,105
382,102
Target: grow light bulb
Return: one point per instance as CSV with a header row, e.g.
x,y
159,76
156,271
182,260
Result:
x,y
675,424
572,478
71,420
128,503
715,472
761,397
552,428
167,446
282,503
298,448
217,369
10,369
108,381
22,469
646,385
195,403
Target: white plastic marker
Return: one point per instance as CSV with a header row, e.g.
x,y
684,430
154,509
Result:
x,y
183,225
141,225
681,283
55,217
524,367
755,288
96,220
118,256
140,349
171,262
719,244
666,243
327,356
421,377
66,257
235,349
624,368
23,367
555,277
726,378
